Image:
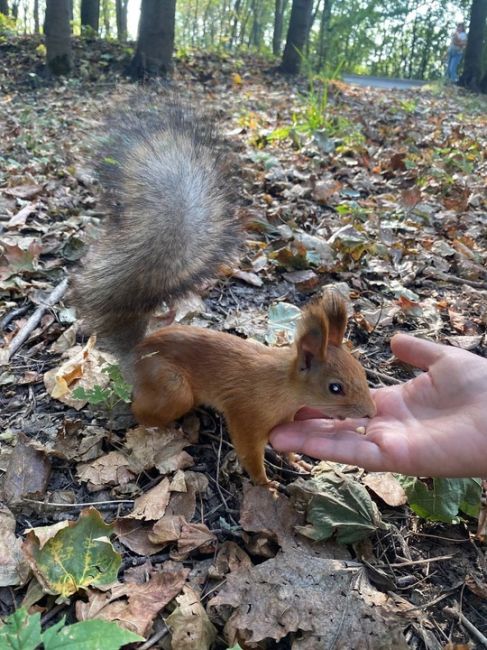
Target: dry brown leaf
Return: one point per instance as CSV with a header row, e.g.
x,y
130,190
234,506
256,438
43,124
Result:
x,y
24,191
305,281
134,606
329,602
194,537
151,506
14,570
109,470
135,535
191,629
248,277
27,473
326,188
270,514
167,529
45,533
82,369
387,487
230,558
161,448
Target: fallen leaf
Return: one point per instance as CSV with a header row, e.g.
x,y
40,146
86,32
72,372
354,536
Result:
x,y
330,603
152,505
27,473
191,629
230,558
387,487
78,555
160,448
135,535
134,606
108,470
14,569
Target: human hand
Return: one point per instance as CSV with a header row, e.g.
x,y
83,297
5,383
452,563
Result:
x,y
432,425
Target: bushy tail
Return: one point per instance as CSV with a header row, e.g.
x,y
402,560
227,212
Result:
x,y
167,185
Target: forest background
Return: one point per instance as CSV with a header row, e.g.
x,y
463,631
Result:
x,y
404,38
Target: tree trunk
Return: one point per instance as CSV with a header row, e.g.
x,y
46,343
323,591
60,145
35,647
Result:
x,y
236,17
280,7
472,67
105,11
4,7
121,9
155,42
324,36
296,36
37,25
412,49
58,36
90,15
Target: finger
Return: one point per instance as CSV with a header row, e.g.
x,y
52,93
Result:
x,y
417,352
344,447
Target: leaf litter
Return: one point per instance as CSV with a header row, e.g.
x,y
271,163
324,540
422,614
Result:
x,y
386,203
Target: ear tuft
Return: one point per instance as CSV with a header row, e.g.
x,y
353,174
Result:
x,y
335,308
312,336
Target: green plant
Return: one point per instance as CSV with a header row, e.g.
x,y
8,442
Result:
x,y
117,390
22,631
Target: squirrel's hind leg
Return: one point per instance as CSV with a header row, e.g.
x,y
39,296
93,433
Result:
x,y
161,394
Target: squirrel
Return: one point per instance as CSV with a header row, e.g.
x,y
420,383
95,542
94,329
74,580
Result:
x,y
167,186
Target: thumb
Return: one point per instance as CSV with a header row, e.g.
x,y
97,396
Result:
x,y
417,352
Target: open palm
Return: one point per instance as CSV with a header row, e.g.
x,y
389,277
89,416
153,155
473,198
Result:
x,y
433,425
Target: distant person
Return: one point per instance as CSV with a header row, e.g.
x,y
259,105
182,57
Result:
x,y
455,52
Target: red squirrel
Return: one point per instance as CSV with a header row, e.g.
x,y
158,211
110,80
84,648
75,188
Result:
x,y
166,180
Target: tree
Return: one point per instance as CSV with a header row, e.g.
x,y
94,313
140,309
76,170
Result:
x,y
90,15
280,7
155,41
472,67
37,26
4,7
121,7
58,36
299,24
324,34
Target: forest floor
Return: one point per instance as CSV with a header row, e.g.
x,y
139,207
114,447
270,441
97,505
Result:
x,y
380,193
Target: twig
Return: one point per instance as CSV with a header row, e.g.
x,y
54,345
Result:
x,y
381,375
431,602
78,505
455,613
398,565
20,338
15,313
155,638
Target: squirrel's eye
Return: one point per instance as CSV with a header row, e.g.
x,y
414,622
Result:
x,y
335,388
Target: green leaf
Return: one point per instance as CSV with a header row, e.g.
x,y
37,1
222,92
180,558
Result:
x,y
88,635
77,556
21,631
95,395
442,499
336,504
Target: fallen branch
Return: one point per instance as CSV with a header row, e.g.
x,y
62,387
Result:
x,y
455,613
20,338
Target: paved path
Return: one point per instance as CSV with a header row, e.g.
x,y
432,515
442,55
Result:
x,y
382,82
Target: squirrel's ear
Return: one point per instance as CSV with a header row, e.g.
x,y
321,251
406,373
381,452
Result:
x,y
312,336
336,312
